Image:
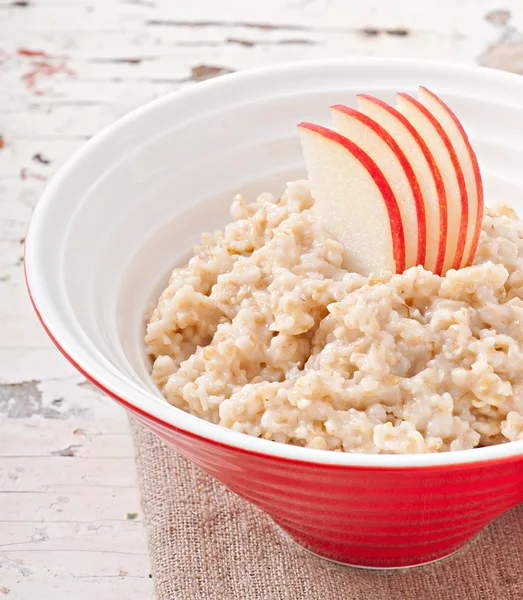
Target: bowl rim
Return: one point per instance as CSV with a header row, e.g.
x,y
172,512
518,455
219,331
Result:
x,y
176,419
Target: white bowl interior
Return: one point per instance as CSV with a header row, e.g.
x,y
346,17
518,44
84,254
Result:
x,y
130,206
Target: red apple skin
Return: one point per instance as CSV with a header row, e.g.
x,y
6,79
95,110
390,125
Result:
x,y
409,172
464,217
477,176
396,224
440,188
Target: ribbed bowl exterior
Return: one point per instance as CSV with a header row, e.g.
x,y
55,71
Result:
x,y
367,517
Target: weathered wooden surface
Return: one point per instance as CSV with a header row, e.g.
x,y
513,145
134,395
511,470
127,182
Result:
x,y
69,511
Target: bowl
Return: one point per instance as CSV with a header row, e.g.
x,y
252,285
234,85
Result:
x,y
130,205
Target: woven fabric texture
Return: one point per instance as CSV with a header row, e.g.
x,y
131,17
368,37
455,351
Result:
x,y
206,543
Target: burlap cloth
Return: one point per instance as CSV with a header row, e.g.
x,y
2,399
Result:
x,y
207,544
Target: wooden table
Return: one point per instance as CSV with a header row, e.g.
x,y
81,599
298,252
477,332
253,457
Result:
x,y
70,521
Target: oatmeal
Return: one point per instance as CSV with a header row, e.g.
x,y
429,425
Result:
x,y
265,333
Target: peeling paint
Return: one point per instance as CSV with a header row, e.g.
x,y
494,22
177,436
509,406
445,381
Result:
x,y
40,535
44,69
70,451
15,565
203,72
60,500
506,54
498,17
24,400
29,52
39,157
88,385
25,173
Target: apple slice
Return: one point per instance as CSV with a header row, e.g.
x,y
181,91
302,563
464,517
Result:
x,y
426,171
373,139
469,163
453,179
354,200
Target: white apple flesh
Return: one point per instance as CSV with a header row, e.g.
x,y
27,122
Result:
x,y
446,158
425,169
354,201
469,164
385,152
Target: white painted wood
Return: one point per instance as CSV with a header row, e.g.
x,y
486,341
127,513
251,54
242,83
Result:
x,y
70,520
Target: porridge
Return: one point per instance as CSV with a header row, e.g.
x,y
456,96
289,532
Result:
x,y
264,332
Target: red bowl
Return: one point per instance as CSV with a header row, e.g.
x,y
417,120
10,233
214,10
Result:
x,y
109,228
366,517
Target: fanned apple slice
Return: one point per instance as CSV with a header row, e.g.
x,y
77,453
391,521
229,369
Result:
x,y
425,169
354,200
453,179
469,163
373,139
